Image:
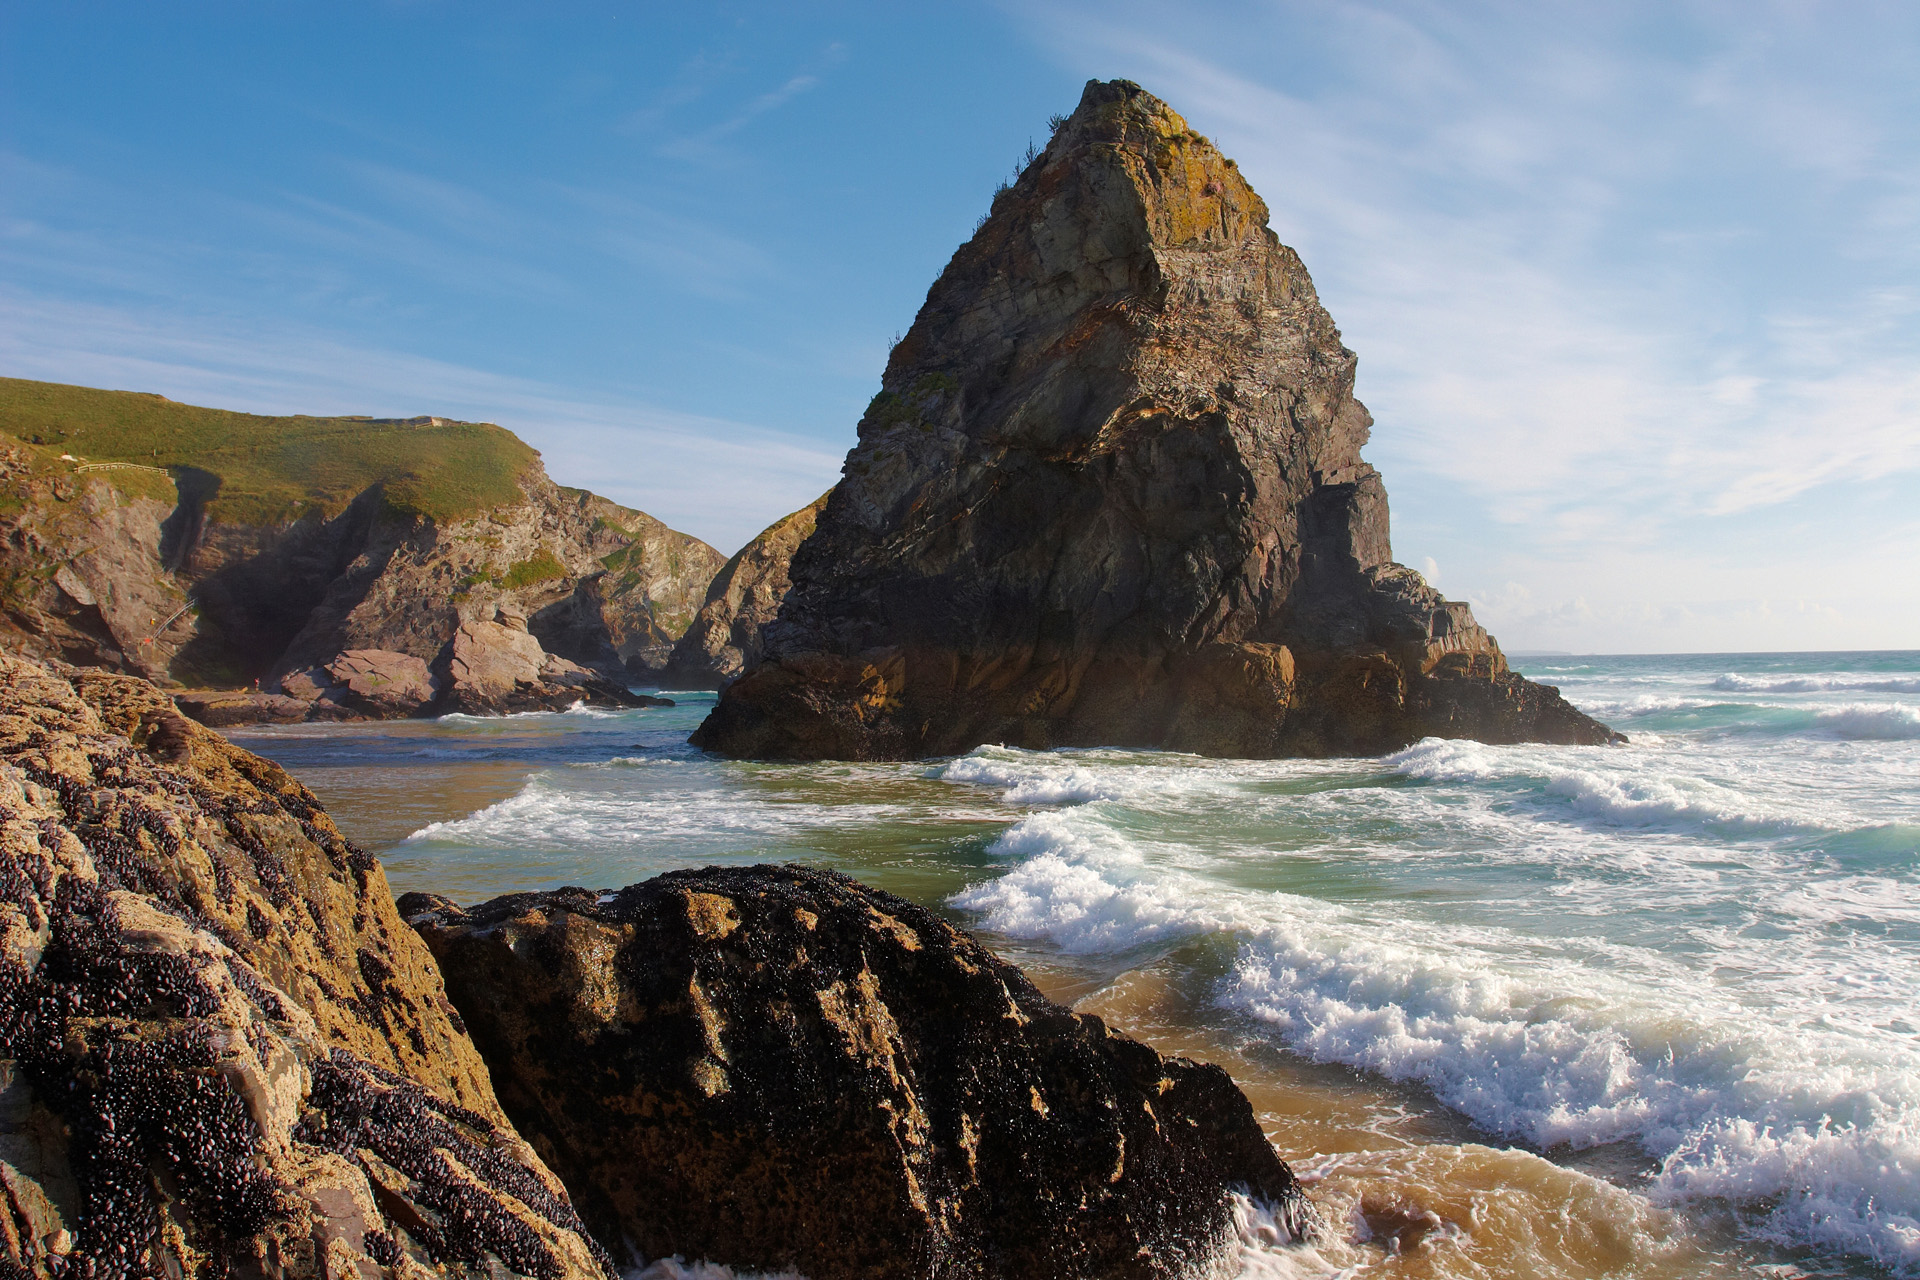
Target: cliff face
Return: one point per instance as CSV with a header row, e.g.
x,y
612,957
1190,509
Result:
x,y
220,1049
1111,492
228,561
746,594
775,1067
655,581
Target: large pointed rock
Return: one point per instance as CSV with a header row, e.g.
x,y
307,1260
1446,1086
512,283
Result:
x,y
1111,492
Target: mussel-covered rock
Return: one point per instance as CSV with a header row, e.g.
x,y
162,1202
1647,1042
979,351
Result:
x,y
220,1050
777,1067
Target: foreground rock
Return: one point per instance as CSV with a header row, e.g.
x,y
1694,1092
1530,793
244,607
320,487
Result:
x,y
220,1049
1111,493
724,638
774,1067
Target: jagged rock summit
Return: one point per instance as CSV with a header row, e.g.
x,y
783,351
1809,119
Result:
x,y
1111,493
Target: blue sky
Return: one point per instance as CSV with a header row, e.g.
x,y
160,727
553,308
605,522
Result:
x,y
1635,288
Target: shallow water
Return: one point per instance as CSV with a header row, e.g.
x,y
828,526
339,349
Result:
x,y
1514,1011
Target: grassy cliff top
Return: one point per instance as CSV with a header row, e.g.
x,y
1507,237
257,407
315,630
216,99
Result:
x,y
273,469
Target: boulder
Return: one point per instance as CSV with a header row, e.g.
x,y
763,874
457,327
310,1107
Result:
x,y
1111,493
777,1067
221,1052
497,667
382,684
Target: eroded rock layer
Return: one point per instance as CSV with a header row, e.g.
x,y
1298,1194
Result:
x,y
1111,492
745,595
776,1067
221,1052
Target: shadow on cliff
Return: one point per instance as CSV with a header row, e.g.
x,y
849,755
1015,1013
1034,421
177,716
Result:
x,y
259,586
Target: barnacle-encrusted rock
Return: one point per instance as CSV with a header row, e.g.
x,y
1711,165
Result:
x,y
220,1049
776,1067
1111,494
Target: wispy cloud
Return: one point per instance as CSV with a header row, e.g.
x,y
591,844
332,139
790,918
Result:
x,y
704,145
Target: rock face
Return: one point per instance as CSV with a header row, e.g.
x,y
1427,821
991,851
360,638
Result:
x,y
655,581
774,1067
497,667
220,1049
381,683
81,576
1111,493
724,639
168,572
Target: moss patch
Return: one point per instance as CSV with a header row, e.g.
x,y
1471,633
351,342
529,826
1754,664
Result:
x,y
541,566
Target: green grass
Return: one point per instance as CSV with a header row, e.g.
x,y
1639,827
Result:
x,y
274,469
541,566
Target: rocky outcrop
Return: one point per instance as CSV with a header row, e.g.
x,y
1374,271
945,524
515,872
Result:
x,y
1111,493
217,568
497,667
775,1067
655,581
378,683
81,572
746,594
220,1049
420,584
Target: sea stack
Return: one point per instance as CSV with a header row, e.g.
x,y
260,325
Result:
x,y
1111,493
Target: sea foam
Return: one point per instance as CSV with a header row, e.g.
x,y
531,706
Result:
x,y
1734,682
1750,1093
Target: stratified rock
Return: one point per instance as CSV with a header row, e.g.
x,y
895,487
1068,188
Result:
x,y
1111,493
225,708
383,684
745,596
775,1067
498,667
221,1051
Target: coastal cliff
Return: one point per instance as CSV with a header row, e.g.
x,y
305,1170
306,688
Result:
x,y
724,639
1111,493
221,1051
211,548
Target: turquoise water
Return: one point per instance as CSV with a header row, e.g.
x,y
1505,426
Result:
x,y
1685,971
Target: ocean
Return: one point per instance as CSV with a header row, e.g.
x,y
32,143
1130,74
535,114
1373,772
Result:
x,y
1641,1011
